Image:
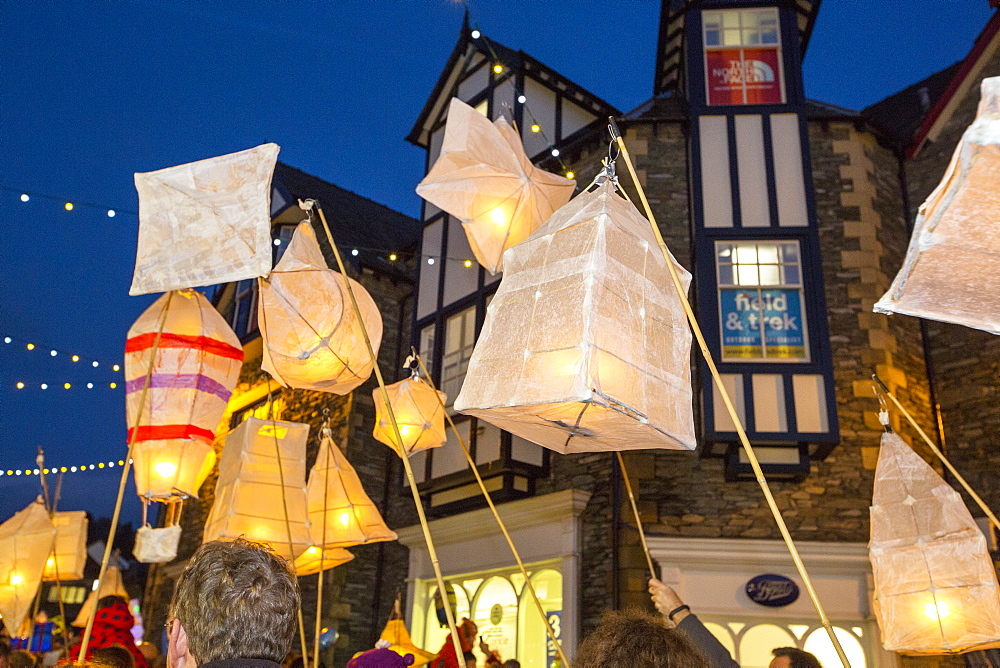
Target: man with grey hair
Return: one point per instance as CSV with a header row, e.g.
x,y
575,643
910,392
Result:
x,y
235,605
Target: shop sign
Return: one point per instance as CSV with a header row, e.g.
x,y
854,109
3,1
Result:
x,y
744,76
762,324
551,655
772,590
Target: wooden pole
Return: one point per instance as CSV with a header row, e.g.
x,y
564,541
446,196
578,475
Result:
x,y
81,659
325,442
940,455
751,455
635,510
431,552
496,515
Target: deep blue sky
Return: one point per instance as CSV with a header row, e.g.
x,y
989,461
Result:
x,y
94,91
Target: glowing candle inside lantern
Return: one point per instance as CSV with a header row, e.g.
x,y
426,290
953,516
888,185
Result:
x,y
15,578
936,611
345,518
498,217
165,469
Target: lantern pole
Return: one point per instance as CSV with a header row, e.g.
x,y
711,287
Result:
x,y
431,552
81,659
493,509
326,442
50,504
751,455
635,510
940,455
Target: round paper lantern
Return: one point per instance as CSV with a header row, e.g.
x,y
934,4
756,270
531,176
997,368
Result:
x,y
196,367
25,543
484,178
419,414
312,336
586,346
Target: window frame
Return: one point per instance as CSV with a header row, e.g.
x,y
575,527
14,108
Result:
x,y
742,48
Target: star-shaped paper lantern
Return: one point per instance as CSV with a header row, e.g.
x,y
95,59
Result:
x,y
419,415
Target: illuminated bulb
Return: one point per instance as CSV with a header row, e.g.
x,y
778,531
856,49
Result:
x,y
570,175
30,346
75,358
115,367
20,386
72,469
24,197
53,353
555,153
94,364
165,469
430,260
111,213
498,69
45,386
354,252
345,518
937,611
114,385
68,206
392,258
535,127
6,339
66,385
121,462
111,465
9,472
475,35
35,472
101,465
50,562
90,386
277,242
18,472
498,217
15,579
45,471
522,99
63,469
91,467
468,263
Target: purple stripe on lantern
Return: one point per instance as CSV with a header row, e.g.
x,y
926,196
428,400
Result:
x,y
182,381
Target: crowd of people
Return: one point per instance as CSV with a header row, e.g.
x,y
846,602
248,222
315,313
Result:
x,y
235,605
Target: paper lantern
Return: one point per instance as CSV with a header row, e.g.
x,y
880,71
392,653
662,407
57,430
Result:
x,y
252,493
313,560
395,632
484,178
585,346
337,497
205,222
419,414
935,585
25,543
196,368
952,267
69,556
111,585
156,545
312,335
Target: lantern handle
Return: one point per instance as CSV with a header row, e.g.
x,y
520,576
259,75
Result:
x,y
883,414
412,365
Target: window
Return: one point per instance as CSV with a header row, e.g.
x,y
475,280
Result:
x,y
258,409
426,349
244,318
742,56
282,235
750,641
460,336
760,300
70,595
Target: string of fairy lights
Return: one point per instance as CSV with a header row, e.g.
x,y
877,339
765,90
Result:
x,y
83,468
30,347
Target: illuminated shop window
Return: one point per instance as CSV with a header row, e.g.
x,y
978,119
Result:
x,y
762,314
750,641
743,56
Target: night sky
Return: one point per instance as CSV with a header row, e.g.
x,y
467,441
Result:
x,y
94,91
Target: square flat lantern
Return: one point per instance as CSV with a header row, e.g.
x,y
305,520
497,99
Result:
x,y
254,489
25,543
952,267
936,587
419,411
206,222
70,554
312,337
586,346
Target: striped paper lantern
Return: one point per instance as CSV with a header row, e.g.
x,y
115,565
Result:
x,y
197,364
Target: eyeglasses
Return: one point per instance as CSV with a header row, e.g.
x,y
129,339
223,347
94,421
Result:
x,y
169,625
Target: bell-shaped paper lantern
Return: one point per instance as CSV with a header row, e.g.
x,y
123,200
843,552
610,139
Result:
x,y
337,497
25,543
70,553
935,585
484,178
111,585
952,267
419,415
196,367
395,632
585,346
254,490
312,336
205,222
313,560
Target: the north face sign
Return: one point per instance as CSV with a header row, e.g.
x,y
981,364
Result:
x,y
743,76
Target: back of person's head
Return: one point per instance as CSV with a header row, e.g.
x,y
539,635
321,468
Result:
x,y
797,658
237,600
511,663
114,656
108,601
21,659
637,639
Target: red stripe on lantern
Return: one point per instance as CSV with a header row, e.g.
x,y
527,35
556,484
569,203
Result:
x,y
168,340
171,431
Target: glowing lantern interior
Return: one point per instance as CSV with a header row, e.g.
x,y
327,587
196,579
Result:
x,y
313,560
419,416
585,345
70,553
312,336
25,544
935,585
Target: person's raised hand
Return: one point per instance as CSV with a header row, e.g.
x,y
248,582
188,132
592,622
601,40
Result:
x,y
664,598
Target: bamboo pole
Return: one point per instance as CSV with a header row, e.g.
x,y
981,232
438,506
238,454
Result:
x,y
326,440
431,552
50,504
940,455
496,515
81,659
635,509
751,455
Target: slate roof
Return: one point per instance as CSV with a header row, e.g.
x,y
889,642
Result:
x,y
899,116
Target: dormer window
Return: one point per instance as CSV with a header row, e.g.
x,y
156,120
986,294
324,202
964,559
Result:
x,y
743,56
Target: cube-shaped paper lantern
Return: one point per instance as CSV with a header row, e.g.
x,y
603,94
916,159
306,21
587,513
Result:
x,y
312,336
313,560
70,553
952,267
25,543
484,178
419,415
255,490
197,364
206,222
585,346
935,586
339,502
